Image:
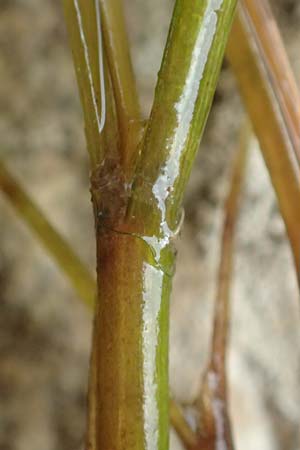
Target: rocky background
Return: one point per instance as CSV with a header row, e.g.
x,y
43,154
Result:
x,y
45,330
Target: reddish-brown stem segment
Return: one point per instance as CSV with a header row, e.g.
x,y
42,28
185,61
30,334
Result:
x,y
222,304
215,429
133,296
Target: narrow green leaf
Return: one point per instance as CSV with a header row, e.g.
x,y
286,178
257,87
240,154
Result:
x,y
61,252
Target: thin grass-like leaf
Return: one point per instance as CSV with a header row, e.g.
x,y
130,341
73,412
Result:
x,y
273,126
61,252
267,35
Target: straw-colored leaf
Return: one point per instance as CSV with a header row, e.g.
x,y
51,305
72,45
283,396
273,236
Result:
x,y
268,95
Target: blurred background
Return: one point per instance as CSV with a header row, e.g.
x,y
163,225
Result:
x,y
44,328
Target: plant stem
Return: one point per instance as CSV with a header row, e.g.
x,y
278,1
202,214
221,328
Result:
x,y
215,427
61,252
231,210
183,97
130,341
267,117
83,35
117,50
185,433
131,324
68,262
128,393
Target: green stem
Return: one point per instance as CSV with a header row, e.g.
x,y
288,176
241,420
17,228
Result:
x,y
83,35
117,49
183,97
61,252
135,250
